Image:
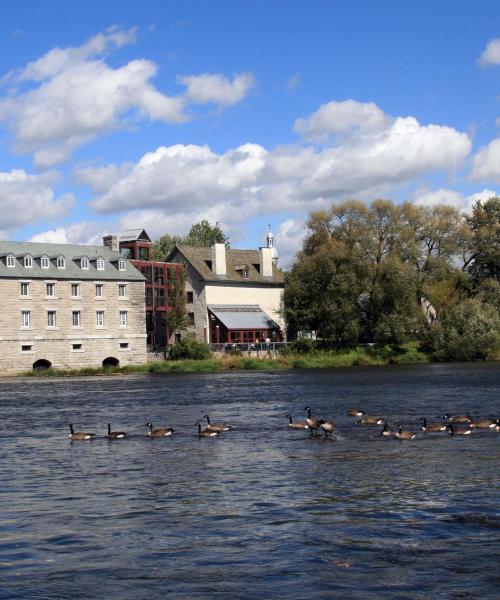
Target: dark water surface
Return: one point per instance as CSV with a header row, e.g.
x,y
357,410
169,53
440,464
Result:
x,y
260,512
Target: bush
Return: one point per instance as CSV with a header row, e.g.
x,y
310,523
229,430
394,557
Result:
x,y
302,346
189,348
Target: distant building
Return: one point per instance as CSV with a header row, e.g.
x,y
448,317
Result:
x,y
69,306
233,296
161,278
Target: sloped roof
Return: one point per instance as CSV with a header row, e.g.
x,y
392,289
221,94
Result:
x,y
133,235
246,316
72,253
198,258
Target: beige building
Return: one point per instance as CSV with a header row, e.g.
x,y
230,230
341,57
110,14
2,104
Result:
x,y
69,306
233,296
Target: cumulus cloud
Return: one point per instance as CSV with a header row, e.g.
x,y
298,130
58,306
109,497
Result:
x,y
74,95
288,240
486,162
25,198
217,89
453,198
491,54
83,232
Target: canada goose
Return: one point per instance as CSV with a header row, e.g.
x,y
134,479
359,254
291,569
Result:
x,y
457,418
433,427
496,427
216,426
312,422
404,435
354,412
115,435
297,424
386,431
160,432
327,426
454,431
370,420
483,424
205,432
80,435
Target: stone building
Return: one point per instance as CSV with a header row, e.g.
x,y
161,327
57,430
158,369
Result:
x,y
69,306
233,296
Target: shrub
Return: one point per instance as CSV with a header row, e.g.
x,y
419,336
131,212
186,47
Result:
x,y
189,348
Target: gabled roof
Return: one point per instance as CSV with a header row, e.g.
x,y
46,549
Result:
x,y
198,258
134,235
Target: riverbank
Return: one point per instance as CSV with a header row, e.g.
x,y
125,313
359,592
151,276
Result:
x,y
407,354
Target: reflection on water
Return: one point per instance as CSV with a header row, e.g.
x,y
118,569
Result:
x,y
261,511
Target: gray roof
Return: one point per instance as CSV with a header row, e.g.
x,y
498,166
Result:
x,y
245,316
72,253
132,235
235,259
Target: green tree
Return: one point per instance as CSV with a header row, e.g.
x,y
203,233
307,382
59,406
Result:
x,y
164,246
175,318
201,235
484,223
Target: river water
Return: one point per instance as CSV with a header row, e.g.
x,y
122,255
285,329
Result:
x,y
261,511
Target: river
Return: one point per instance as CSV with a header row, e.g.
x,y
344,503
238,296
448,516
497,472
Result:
x,y
260,511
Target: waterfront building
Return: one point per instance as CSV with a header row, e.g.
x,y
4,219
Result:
x,y
233,296
69,306
161,277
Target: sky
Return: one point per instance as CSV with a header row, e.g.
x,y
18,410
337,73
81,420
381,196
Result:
x,y
158,114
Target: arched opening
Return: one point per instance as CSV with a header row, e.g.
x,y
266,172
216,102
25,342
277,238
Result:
x,y
111,361
42,365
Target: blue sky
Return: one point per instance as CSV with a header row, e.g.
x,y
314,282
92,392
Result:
x,y
158,114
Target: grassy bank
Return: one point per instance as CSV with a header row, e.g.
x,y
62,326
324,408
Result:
x,y
407,354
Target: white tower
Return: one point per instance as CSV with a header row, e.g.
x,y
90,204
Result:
x,y
270,244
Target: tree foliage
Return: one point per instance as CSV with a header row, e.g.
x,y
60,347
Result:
x,y
201,234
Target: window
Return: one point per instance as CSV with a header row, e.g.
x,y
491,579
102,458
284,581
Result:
x,y
44,262
61,262
245,273
122,290
26,348
99,290
11,260
99,318
84,262
123,345
144,253
75,290
121,265
77,346
25,288
189,297
28,262
25,318
123,318
76,318
51,318
50,290
247,337
127,252
190,318
100,264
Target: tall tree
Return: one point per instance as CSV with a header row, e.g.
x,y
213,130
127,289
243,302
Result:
x,y
201,234
484,223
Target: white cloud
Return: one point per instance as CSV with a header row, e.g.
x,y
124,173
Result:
x,y
288,240
83,232
25,199
486,162
74,96
217,89
452,198
491,54
341,118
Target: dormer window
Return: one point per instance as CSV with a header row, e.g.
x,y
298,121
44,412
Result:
x,y
61,262
11,260
28,262
245,273
100,264
44,262
84,262
121,265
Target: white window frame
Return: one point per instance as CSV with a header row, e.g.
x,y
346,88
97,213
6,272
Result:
x,y
100,264
28,261
84,263
122,287
77,285
27,284
121,264
123,318
99,286
99,319
11,261
45,262
53,287
25,319
78,315
61,262
51,316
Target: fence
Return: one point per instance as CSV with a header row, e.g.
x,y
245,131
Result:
x,y
261,347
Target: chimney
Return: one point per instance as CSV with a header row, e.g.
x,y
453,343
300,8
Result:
x,y
266,262
111,241
219,259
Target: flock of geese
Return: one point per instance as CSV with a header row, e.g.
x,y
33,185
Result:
x,y
453,424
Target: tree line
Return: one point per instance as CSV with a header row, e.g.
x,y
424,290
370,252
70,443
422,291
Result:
x,y
386,274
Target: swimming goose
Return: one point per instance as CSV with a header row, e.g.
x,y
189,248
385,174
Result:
x,y
160,432
432,427
312,422
386,431
327,426
370,420
404,435
454,431
80,435
205,432
115,435
483,424
297,424
217,427
457,418
354,412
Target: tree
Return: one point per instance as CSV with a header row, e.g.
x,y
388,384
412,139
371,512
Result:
x,y
175,318
201,235
484,223
164,246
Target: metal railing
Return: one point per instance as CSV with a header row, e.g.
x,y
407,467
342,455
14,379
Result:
x,y
248,347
